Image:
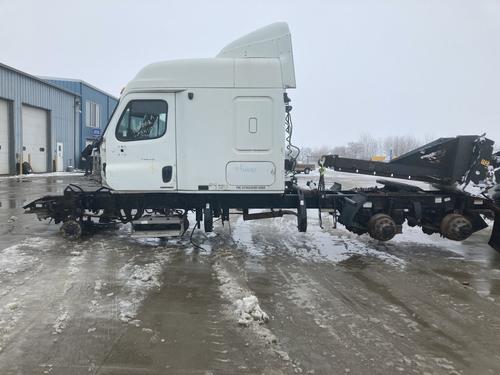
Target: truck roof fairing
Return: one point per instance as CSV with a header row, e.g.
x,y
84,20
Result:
x,y
272,41
261,59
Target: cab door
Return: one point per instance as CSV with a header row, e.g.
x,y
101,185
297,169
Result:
x,y
140,144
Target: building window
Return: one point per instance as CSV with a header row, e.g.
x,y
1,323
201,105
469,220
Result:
x,y
142,119
92,114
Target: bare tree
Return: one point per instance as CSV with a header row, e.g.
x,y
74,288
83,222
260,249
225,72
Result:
x,y
399,145
340,150
355,150
312,155
305,154
367,147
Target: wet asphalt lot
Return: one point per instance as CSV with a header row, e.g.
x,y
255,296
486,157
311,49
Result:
x,y
338,303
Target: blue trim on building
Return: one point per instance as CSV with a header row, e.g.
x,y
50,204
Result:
x,y
88,93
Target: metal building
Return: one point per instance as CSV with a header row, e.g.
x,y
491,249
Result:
x,y
97,107
37,123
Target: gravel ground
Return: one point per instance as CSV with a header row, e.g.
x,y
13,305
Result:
x,y
261,299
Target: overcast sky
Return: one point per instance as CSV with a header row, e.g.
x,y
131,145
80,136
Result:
x,y
385,67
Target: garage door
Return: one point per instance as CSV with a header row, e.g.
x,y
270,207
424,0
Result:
x,y
4,137
34,122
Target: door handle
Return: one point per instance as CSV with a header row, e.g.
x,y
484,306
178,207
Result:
x,y
166,173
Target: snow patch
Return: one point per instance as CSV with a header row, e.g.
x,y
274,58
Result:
x,y
60,323
315,245
283,355
9,317
476,190
357,180
14,260
339,246
12,305
97,286
138,281
93,305
127,310
248,310
146,273
246,307
242,233
414,235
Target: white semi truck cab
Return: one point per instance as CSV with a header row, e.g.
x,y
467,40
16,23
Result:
x,y
211,136
198,125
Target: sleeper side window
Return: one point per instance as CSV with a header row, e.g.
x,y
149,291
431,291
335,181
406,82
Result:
x,y
142,119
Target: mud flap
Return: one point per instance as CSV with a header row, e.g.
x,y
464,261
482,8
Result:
x,y
495,234
349,211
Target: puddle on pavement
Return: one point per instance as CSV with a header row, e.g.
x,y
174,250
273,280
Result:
x,y
483,286
487,287
460,276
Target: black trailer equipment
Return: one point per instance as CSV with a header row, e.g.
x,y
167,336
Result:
x,y
450,164
445,161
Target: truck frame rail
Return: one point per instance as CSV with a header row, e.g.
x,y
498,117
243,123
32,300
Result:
x,y
379,212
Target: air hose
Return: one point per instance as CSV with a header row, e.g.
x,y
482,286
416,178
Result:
x,y
292,150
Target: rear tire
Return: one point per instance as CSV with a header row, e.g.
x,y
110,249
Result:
x,y
71,230
382,227
307,171
456,227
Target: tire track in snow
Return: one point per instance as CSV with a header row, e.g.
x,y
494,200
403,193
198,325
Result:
x,y
355,333
233,288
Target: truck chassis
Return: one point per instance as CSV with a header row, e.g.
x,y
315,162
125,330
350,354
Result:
x,y
380,212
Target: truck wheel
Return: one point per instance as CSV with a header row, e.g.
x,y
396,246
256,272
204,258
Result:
x,y
456,227
208,219
307,170
382,227
71,229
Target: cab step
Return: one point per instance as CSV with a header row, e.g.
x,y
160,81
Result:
x,y
158,226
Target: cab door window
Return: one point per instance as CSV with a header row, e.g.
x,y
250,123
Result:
x,y
142,119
